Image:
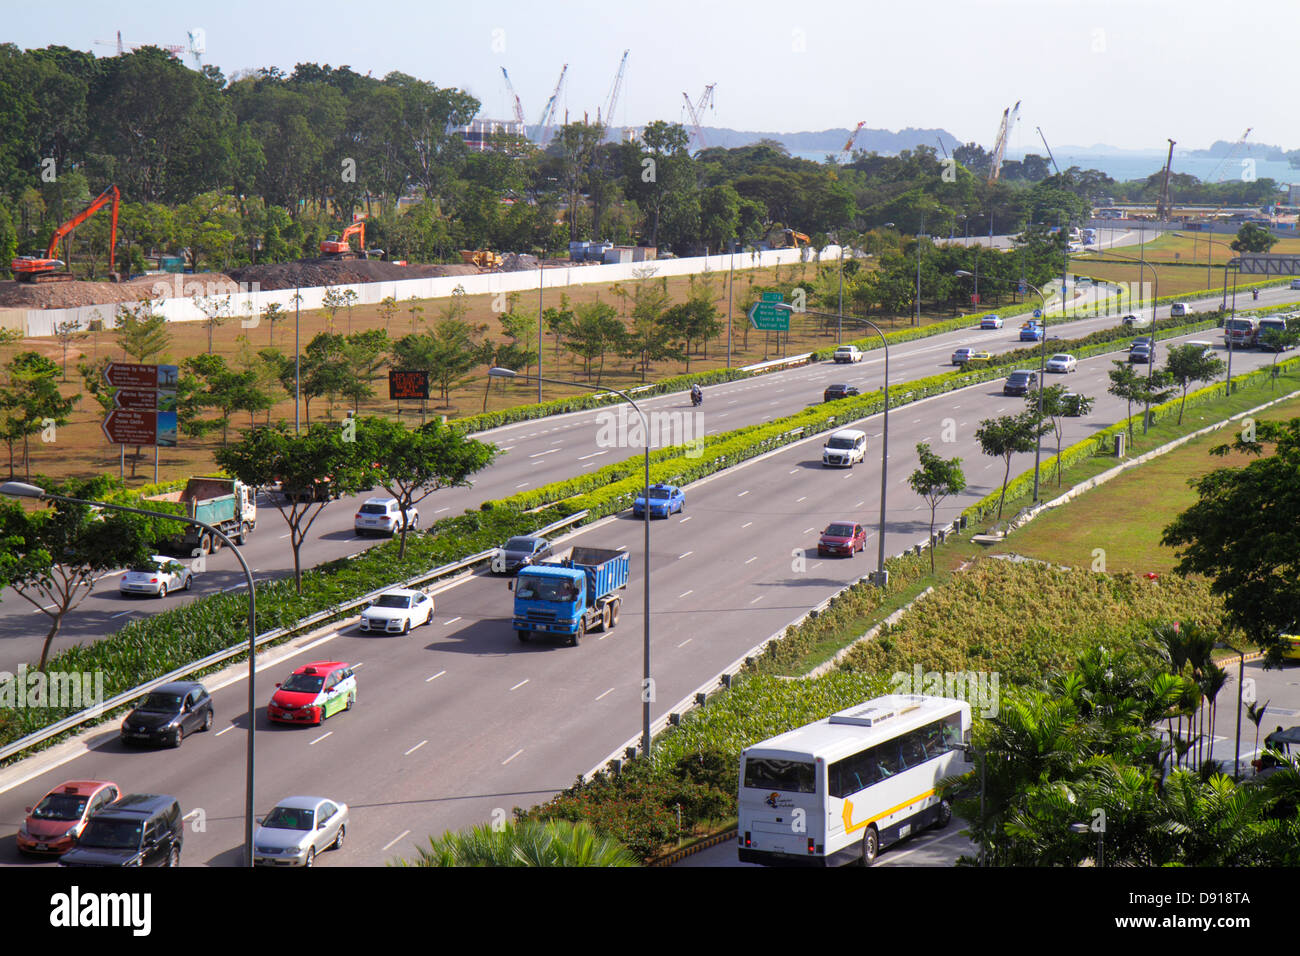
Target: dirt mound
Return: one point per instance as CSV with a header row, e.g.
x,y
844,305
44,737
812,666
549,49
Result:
x,y
518,262
322,272
68,295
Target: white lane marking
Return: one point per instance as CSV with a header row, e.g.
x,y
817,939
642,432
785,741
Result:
x,y
327,733
512,756
745,525
804,498
685,642
606,694
393,840
434,677
283,536
132,611
520,684
506,447
539,454
226,731
684,593
753,559
686,555
686,519
233,587
592,455
358,664
441,510
807,530
524,485
757,599
742,494
453,620
415,748
794,471
860,504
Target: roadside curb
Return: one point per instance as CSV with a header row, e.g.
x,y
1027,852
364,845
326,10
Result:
x,y
704,843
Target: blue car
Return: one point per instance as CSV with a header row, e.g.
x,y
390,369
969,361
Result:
x,y
664,500
1031,332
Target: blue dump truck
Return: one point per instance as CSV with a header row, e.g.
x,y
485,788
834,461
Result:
x,y
571,597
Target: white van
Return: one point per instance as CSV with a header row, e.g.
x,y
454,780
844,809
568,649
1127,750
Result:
x,y
845,447
1179,309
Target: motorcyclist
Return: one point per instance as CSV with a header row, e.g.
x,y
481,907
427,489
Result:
x,y
1254,293
697,395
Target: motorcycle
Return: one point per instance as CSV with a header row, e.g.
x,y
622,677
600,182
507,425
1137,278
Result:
x,y
1255,293
697,399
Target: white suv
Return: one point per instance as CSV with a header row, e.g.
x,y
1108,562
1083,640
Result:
x,y
384,516
845,447
848,353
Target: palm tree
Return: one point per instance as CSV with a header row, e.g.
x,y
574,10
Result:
x,y
525,843
1256,714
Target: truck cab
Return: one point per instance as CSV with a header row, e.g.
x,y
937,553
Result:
x,y
570,597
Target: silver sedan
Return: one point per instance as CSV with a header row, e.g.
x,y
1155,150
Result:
x,y
299,828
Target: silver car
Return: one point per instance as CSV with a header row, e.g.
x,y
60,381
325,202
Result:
x,y
297,829
158,576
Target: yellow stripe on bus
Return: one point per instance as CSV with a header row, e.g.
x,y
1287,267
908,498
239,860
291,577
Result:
x,y
850,826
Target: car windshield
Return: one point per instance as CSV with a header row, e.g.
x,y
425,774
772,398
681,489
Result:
x,y
374,509
660,491
289,818
1060,358
1018,378
112,834
840,443
60,806
838,388
393,600
304,683
147,567
839,531
161,703
546,589
520,544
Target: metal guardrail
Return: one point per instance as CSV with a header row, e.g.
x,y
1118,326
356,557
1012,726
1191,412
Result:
x,y
306,624
777,363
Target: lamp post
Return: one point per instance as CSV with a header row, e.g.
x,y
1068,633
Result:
x,y
882,577
645,428
18,489
1042,369
1241,672
1151,357
1227,326
1083,828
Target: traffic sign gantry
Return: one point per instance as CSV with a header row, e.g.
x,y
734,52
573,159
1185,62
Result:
x,y
765,316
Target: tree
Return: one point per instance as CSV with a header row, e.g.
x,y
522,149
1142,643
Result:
x,y
1278,340
226,389
312,468
272,313
1191,363
30,403
67,333
412,464
331,303
388,309
1058,404
363,354
1253,238
650,340
142,333
1006,436
934,480
322,371
53,558
596,331
1244,533
521,327
1125,383
455,350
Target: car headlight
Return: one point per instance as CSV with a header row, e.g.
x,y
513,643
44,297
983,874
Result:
x,y
72,830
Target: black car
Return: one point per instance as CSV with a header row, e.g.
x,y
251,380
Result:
x,y
141,829
519,551
168,713
1020,383
838,391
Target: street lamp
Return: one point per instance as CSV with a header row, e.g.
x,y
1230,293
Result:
x,y
645,428
1155,308
1227,328
1083,828
1241,671
18,489
882,577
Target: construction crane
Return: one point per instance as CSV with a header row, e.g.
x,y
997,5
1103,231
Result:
x,y
853,137
1009,117
706,100
1049,150
198,46
548,112
937,139
612,102
519,107
46,269
123,47
1162,207
1232,152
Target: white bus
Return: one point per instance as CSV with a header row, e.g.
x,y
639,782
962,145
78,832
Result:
x,y
839,789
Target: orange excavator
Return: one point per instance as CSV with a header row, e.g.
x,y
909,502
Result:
x,y
338,247
794,237
50,269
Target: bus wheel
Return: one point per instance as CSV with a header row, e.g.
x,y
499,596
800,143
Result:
x,y
870,846
944,816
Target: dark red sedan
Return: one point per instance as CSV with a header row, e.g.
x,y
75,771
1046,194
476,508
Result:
x,y
842,537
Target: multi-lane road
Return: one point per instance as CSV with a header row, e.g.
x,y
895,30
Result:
x,y
458,722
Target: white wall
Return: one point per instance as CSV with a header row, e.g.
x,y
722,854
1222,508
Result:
x,y
175,291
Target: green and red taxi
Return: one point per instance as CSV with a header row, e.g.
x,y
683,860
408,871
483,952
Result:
x,y
314,692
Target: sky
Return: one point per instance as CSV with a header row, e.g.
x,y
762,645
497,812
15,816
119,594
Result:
x,y
1126,73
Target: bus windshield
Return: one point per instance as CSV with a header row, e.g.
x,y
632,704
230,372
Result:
x,y
793,776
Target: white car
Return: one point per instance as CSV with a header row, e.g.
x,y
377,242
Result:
x,y
1136,321
845,447
299,828
157,577
384,516
397,611
848,353
1061,362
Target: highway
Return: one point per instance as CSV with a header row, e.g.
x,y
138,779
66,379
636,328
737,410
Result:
x,y
459,722
534,453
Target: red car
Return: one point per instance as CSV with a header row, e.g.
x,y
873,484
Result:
x,y
313,692
842,537
53,825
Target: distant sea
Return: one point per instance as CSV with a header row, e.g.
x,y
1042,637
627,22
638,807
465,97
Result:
x,y
1123,167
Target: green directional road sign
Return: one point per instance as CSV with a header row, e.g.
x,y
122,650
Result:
x,y
766,317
